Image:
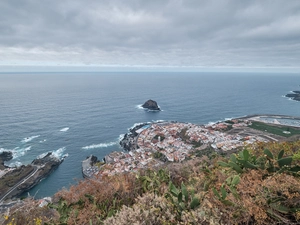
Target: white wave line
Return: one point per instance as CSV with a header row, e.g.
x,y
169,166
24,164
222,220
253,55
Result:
x,y
101,145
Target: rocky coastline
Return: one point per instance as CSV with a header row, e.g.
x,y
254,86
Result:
x,y
128,142
154,143
19,180
4,156
295,96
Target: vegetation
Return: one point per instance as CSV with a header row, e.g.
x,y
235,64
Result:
x,y
278,130
257,185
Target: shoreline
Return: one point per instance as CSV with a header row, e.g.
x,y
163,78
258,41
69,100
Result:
x,y
18,180
151,144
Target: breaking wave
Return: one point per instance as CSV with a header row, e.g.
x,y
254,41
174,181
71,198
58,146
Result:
x,y
18,152
4,150
27,139
64,129
148,110
158,121
59,153
139,106
42,155
121,136
137,124
14,164
101,145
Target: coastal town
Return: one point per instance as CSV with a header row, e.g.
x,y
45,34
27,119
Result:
x,y
152,144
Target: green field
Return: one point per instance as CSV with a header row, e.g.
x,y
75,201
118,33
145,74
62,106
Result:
x,y
275,129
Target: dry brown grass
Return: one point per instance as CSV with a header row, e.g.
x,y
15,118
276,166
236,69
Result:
x,y
28,212
261,197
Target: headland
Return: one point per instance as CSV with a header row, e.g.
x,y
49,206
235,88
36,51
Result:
x,y
15,181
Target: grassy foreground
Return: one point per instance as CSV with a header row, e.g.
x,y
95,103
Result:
x,y
258,185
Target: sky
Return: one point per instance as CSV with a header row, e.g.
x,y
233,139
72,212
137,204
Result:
x,y
155,33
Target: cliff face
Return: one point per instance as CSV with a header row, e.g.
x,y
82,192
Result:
x,y
151,104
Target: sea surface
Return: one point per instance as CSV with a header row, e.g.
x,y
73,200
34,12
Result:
x,y
79,114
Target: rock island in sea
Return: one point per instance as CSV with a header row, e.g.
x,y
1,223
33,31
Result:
x,y
295,96
152,144
151,105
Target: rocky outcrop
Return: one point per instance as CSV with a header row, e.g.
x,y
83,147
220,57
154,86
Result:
x,y
4,156
295,96
151,105
128,142
22,179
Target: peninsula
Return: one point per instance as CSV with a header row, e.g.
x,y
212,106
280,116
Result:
x,y
149,145
14,181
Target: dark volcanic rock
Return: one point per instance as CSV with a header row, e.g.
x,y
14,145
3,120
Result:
x,y
128,142
151,104
24,178
4,156
295,96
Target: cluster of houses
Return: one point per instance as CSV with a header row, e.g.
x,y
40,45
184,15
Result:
x,y
118,162
175,141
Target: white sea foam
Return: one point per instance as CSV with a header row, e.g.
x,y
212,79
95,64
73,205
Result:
x,y
43,140
27,139
134,125
101,145
158,121
18,152
14,164
59,153
42,155
139,106
148,110
121,136
64,129
4,150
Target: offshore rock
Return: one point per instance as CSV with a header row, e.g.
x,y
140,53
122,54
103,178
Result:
x,y
295,96
151,105
5,156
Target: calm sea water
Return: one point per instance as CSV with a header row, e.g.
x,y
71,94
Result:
x,y
80,114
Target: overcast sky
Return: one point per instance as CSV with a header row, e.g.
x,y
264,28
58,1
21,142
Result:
x,y
201,33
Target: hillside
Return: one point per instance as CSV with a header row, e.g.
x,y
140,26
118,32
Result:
x,y
258,185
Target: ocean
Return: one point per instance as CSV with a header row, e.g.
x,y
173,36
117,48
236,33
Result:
x,y
79,114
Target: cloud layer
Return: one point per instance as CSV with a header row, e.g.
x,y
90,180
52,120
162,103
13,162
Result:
x,y
165,33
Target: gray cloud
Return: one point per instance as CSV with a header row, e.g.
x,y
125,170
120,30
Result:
x,y
134,32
